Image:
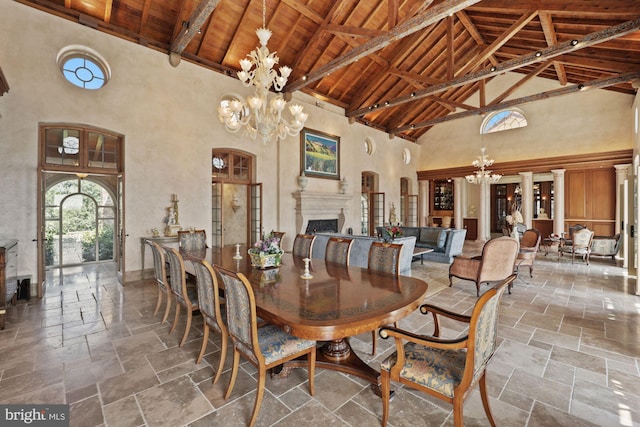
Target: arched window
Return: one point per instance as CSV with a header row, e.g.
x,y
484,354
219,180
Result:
x,y
503,120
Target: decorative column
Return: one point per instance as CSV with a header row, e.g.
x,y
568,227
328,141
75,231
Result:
x,y
527,198
558,201
423,197
484,213
622,173
458,203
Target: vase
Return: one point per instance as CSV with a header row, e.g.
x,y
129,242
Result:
x,y
265,260
514,233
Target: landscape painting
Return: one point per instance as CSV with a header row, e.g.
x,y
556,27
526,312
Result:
x,y
320,154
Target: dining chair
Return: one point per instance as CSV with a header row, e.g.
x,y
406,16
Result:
x,y
446,368
385,258
581,246
529,245
303,245
209,301
496,263
264,347
338,250
192,240
162,278
279,235
186,296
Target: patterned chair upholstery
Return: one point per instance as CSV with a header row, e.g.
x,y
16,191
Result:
x,y
303,244
338,250
162,279
606,246
529,245
209,302
192,240
496,263
581,246
446,368
186,296
263,347
568,241
384,257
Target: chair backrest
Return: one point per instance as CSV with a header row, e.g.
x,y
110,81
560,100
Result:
x,y
159,265
303,245
530,239
190,240
338,250
573,229
498,259
582,238
208,293
385,257
241,313
483,330
279,235
178,276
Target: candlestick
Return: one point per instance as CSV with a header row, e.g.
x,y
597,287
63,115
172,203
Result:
x,y
307,274
237,255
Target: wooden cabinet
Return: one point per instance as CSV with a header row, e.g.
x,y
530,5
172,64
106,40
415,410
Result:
x,y
442,195
471,225
8,275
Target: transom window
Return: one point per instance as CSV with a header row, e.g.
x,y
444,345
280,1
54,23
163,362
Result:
x,y
503,120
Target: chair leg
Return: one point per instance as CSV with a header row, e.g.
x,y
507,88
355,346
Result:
x,y
175,318
478,290
223,356
385,387
187,327
312,370
450,281
205,339
262,379
458,417
485,399
234,373
159,302
167,308
373,342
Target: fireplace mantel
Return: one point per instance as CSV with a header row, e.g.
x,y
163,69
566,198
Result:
x,y
317,205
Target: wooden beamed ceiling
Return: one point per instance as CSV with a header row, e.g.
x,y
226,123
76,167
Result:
x,y
400,66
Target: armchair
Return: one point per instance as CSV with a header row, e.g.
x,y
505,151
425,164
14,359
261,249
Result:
x,y
581,245
446,368
529,245
496,263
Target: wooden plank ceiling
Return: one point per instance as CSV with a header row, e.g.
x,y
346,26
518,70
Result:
x,y
400,66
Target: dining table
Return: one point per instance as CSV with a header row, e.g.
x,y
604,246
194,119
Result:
x,y
336,303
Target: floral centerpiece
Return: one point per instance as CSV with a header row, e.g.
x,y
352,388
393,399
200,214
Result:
x,y
513,220
266,253
391,232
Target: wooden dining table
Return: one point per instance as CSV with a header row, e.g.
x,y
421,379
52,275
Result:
x,y
338,302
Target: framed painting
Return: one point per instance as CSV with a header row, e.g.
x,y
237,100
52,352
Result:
x,y
319,154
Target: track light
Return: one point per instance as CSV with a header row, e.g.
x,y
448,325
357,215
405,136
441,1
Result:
x,y
538,54
574,42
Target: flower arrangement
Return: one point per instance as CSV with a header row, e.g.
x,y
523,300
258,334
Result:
x,y
392,232
514,218
266,252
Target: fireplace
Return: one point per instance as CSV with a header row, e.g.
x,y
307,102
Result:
x,y
317,212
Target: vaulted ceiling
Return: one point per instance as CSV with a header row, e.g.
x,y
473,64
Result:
x,y
400,66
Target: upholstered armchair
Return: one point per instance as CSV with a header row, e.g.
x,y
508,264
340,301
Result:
x,y
496,263
529,245
446,368
581,246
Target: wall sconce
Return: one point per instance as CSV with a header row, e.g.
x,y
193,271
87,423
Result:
x,y
235,204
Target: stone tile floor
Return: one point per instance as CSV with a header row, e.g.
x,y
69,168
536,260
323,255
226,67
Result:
x,y
569,355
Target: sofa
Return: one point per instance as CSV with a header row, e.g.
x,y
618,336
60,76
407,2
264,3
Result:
x,y
445,242
606,246
359,256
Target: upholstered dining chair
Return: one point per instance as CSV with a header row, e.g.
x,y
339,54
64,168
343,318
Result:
x,y
209,301
446,368
496,263
529,245
162,278
186,296
338,250
303,245
192,240
581,246
384,257
263,347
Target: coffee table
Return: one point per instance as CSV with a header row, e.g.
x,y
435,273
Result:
x,y
419,252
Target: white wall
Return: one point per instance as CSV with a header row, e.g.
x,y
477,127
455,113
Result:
x,y
169,120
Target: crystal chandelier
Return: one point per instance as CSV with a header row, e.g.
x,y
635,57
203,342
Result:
x,y
482,175
259,117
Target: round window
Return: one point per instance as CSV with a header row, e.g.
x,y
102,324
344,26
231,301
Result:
x,y
83,67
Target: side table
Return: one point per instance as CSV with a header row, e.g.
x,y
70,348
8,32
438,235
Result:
x,y
161,240
550,245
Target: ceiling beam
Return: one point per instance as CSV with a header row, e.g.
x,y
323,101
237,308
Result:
x,y
552,39
540,68
593,84
196,20
431,16
532,58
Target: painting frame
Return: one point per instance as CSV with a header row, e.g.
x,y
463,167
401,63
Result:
x,y
319,154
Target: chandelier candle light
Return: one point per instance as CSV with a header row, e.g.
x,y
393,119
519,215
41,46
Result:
x,y
260,117
482,175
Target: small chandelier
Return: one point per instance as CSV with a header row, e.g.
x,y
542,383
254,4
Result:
x,y
482,175
260,117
